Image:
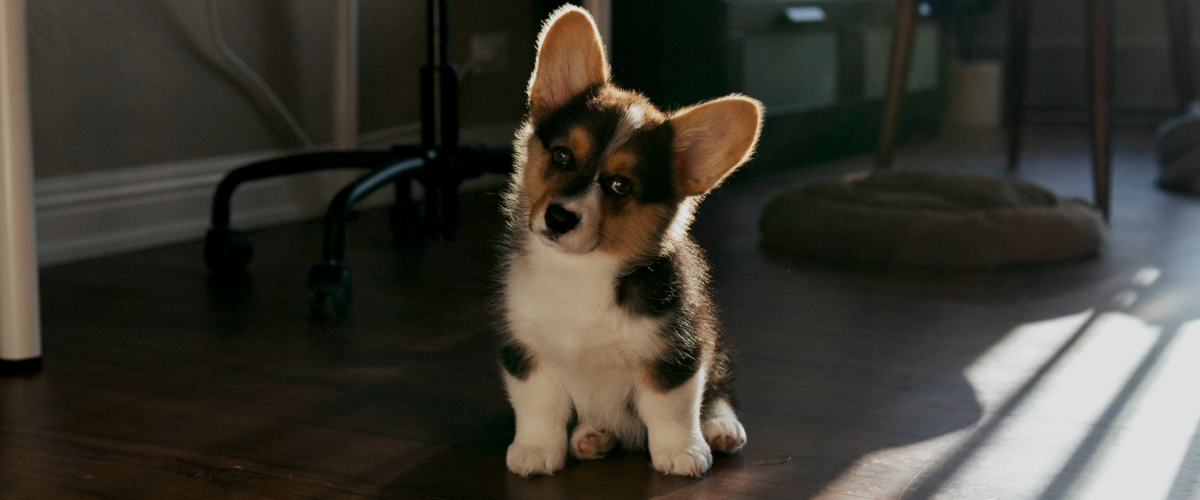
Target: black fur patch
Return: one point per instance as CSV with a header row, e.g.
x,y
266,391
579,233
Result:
x,y
650,289
679,362
516,359
600,124
653,167
599,110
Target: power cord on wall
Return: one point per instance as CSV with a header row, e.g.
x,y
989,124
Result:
x,y
214,17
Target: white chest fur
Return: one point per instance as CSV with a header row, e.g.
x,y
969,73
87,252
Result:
x,y
564,308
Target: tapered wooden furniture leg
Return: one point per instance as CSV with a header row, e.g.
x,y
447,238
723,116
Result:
x,y
902,44
1016,57
1100,19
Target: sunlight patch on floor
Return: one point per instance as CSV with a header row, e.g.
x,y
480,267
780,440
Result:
x,y
1007,366
1090,405
1039,410
1154,430
1104,412
1100,404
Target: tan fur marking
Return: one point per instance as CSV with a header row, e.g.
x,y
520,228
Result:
x,y
540,204
620,163
532,175
631,232
648,381
580,142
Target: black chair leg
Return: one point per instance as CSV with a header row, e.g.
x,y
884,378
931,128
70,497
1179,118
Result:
x,y
403,216
439,164
227,251
330,278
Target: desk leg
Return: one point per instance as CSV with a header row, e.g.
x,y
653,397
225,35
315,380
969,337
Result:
x,y
20,330
1016,58
898,66
1100,19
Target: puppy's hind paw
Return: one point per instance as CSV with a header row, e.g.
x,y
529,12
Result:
x,y
528,461
591,443
692,460
725,435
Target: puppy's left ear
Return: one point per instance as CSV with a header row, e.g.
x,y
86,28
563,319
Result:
x,y
712,139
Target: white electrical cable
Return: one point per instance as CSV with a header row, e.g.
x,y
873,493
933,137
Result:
x,y
237,62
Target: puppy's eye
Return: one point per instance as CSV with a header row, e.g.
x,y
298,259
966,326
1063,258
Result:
x,y
562,156
620,185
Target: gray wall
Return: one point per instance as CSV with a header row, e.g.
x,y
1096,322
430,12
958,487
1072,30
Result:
x,y
1057,66
125,83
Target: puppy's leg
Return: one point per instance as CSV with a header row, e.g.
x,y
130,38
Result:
x,y
543,410
721,428
589,442
672,421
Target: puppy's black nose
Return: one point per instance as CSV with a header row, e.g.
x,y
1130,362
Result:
x,y
559,219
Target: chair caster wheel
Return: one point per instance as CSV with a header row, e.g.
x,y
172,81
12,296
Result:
x,y
226,251
331,281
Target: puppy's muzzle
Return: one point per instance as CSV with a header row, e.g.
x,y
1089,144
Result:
x,y
559,220
570,224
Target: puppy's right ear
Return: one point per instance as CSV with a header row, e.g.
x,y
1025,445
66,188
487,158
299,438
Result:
x,y
570,59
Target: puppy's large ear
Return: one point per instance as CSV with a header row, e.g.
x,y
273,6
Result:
x,y
570,59
712,139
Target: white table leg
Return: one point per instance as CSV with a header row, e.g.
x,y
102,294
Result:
x,y
20,328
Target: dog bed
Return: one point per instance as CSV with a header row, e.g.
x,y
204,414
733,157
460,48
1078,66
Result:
x,y
930,219
1179,152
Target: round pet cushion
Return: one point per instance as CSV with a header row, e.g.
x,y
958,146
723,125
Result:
x,y
930,219
1179,152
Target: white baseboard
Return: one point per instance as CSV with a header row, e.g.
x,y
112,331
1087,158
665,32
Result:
x,y
104,213
98,214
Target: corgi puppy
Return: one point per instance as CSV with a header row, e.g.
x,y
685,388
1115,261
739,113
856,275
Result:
x,y
609,337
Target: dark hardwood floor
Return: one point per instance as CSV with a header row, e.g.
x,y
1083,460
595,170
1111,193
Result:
x,y
1075,380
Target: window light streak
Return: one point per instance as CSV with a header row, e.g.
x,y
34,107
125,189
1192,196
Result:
x,y
1073,473
1186,484
1091,405
1040,435
1152,431
1025,356
1164,304
1146,276
805,14
1042,388
1009,364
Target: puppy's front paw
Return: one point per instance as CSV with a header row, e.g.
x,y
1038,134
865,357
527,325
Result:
x,y
590,442
692,459
528,461
725,435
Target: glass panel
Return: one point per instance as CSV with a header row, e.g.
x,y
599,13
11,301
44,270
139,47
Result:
x,y
923,75
791,70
